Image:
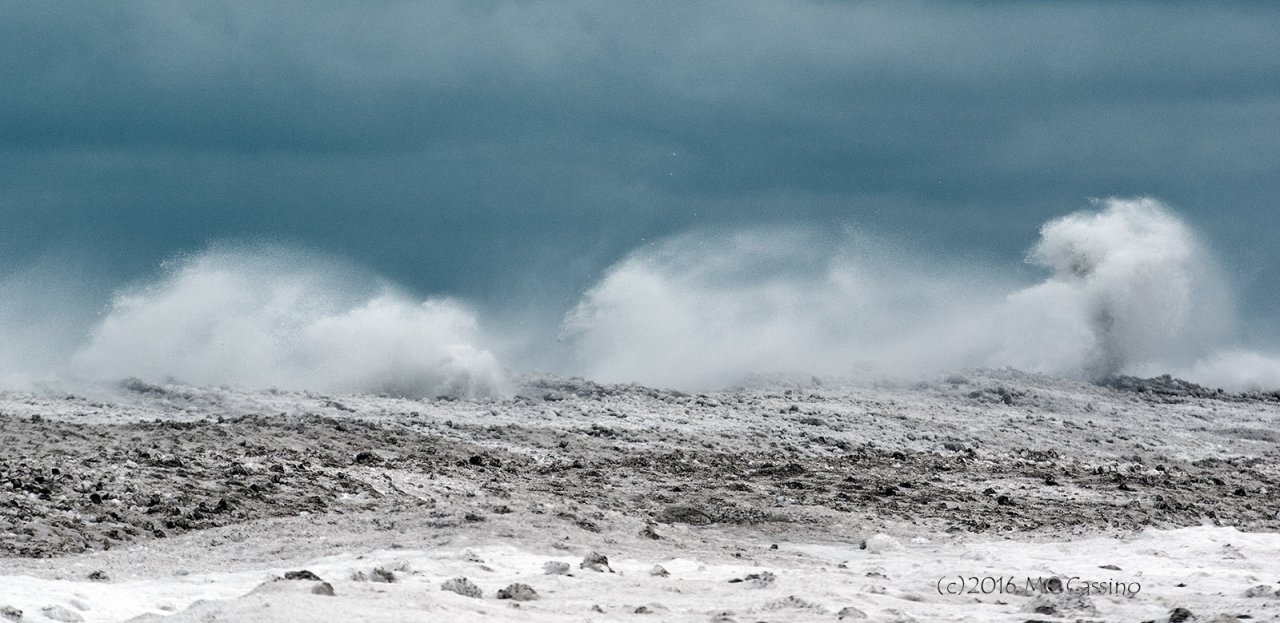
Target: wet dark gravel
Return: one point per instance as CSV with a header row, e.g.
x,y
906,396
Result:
x,y
68,487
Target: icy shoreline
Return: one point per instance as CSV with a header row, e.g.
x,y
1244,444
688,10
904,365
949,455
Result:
x,y
1210,571
177,494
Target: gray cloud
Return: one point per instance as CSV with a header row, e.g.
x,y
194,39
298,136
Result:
x,y
486,147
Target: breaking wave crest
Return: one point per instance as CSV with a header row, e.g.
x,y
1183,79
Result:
x,y
272,318
1125,288
1130,289
1131,286
716,308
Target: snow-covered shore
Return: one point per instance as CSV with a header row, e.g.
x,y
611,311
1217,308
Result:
x,y
949,500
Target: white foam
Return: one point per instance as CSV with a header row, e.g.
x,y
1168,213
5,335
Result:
x,y
1130,289
272,318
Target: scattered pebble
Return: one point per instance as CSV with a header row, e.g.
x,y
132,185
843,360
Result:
x,y
301,575
462,586
367,457
596,561
297,582
518,592
849,612
792,602
684,514
757,580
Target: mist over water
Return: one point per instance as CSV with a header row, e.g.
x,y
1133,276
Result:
x,y
275,318
1126,288
1130,289
711,309
1131,284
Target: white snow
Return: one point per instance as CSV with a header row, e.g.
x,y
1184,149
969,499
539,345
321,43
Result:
x,y
1205,569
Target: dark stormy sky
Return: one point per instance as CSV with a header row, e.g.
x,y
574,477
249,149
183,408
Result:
x,y
510,151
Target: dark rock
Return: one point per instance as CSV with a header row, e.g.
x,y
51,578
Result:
x,y
648,532
555,567
462,586
98,576
684,514
761,580
596,561
367,457
11,613
1110,567
382,575
301,575
1179,615
849,612
659,571
518,592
